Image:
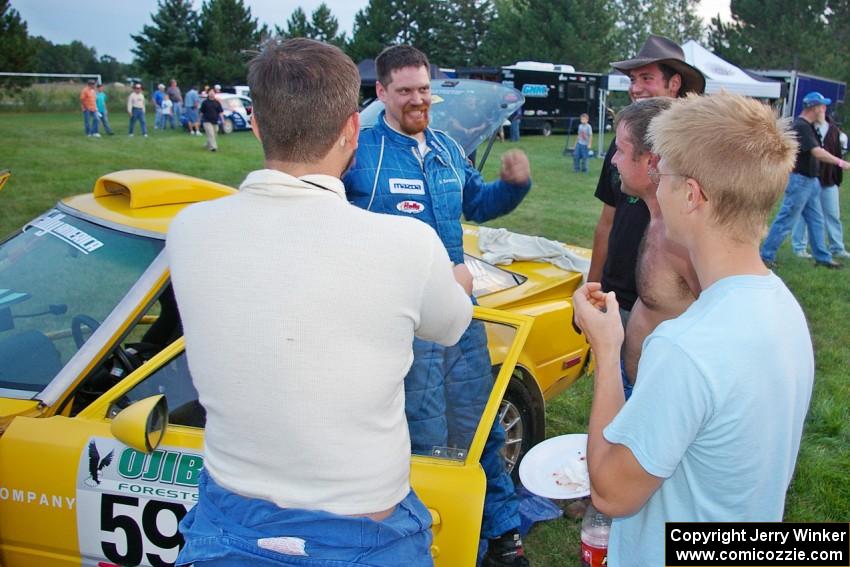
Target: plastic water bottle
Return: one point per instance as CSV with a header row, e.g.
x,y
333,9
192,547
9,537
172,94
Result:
x,y
595,528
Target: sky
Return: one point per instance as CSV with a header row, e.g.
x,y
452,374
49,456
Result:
x,y
107,25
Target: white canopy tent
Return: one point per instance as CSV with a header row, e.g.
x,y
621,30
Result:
x,y
719,74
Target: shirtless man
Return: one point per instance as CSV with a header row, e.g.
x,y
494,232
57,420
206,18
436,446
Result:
x,y
659,69
666,281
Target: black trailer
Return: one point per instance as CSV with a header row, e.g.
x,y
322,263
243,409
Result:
x,y
555,95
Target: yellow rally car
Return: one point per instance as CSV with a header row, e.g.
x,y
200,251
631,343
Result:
x,y
101,433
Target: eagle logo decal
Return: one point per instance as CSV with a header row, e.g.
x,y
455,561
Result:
x,y
96,464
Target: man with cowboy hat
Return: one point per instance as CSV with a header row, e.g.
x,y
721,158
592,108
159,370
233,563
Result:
x,y
659,69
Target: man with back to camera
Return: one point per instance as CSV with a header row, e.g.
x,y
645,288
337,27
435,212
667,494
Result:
x,y
307,451
802,194
834,141
665,278
733,373
403,167
659,69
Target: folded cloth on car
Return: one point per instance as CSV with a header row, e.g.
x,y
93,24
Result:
x,y
500,246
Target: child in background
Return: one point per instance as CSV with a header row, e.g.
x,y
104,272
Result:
x,y
582,149
167,113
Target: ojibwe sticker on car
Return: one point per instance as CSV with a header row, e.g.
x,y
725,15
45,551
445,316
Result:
x,y
129,503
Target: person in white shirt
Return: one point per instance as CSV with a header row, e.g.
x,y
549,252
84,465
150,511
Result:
x,y
136,110
299,316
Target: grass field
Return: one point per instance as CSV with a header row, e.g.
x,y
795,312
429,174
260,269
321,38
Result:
x,y
51,158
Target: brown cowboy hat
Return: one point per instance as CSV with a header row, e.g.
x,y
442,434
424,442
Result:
x,y
659,49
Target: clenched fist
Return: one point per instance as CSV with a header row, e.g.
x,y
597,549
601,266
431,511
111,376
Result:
x,y
515,167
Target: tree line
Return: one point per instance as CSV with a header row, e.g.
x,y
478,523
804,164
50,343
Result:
x,y
214,43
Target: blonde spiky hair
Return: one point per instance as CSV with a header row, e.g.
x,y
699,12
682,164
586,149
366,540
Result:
x,y
735,148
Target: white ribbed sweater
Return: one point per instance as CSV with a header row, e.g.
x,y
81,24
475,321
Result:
x,y
299,312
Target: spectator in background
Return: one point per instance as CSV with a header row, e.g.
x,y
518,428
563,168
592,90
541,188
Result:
x,y
136,110
802,194
167,113
516,119
830,180
583,143
191,105
88,102
158,97
173,92
210,115
102,111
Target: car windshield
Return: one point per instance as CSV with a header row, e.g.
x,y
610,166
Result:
x,y
231,103
59,278
469,111
487,278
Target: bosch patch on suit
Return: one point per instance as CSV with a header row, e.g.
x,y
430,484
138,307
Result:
x,y
407,186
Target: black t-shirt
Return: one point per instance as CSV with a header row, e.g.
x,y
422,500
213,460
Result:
x,y
210,111
806,164
631,217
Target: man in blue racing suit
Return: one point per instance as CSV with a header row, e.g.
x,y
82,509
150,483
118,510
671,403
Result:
x,y
402,167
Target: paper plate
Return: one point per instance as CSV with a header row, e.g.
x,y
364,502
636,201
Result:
x,y
540,466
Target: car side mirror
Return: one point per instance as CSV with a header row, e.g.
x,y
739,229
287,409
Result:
x,y
142,425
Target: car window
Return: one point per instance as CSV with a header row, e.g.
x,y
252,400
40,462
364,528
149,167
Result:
x,y
444,403
175,381
444,409
59,279
487,278
468,110
232,104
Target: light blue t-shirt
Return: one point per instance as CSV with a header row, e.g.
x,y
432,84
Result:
x,y
717,412
584,132
192,99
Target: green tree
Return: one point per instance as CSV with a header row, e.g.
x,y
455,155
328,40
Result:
x,y
18,53
296,26
169,48
786,34
374,29
227,36
325,27
424,24
468,26
577,32
675,19
74,57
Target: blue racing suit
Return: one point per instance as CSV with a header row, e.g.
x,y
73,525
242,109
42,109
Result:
x,y
446,388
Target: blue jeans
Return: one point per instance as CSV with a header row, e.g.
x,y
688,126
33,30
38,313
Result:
x,y
802,197
832,217
580,154
177,109
515,129
445,391
90,122
167,118
627,384
104,119
138,115
225,529
158,118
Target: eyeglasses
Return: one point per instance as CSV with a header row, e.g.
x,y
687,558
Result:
x,y
655,176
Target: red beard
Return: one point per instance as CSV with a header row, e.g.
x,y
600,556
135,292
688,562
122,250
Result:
x,y
411,125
